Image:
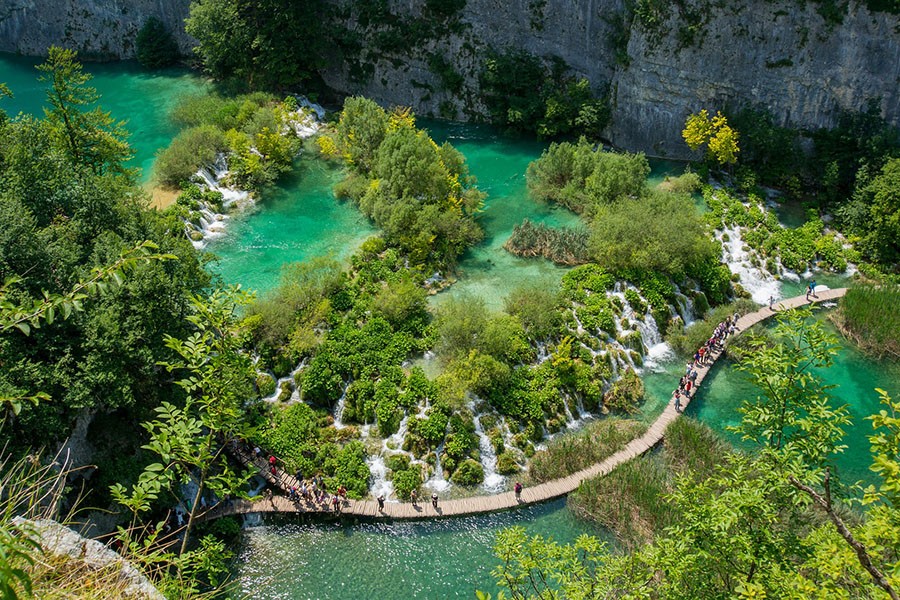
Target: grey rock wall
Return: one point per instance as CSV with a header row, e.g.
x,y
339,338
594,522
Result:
x,y
99,29
778,54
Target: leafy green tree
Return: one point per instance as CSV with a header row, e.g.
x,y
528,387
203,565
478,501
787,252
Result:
x,y
874,213
191,441
91,137
658,232
155,47
264,44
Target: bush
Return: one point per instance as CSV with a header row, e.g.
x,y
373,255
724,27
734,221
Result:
x,y
469,473
191,149
626,393
154,46
405,482
687,341
507,464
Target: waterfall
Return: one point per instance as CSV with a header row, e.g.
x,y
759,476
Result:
x,y
437,482
493,481
339,409
658,351
380,485
685,307
252,520
756,280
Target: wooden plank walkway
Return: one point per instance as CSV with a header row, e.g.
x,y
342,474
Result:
x,y
497,502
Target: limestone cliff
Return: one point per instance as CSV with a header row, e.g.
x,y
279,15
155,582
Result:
x,y
782,55
98,29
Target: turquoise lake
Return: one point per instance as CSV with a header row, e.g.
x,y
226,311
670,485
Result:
x,y
301,220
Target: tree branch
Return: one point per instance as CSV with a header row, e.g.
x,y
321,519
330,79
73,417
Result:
x,y
862,554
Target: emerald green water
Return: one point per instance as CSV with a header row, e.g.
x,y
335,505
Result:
x,y
141,98
297,221
301,220
855,378
429,559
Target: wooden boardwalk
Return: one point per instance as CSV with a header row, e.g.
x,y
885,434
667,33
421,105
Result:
x,y
497,502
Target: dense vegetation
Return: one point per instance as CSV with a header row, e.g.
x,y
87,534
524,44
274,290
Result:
x,y
523,93
155,47
254,130
420,194
563,246
773,523
634,231
105,315
868,315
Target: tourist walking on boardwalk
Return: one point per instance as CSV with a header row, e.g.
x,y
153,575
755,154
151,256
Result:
x,y
518,489
381,502
771,302
677,401
434,500
413,496
336,503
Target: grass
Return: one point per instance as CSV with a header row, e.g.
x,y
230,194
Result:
x,y
632,501
869,316
571,453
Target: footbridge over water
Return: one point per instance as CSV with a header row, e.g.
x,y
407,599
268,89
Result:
x,y
497,502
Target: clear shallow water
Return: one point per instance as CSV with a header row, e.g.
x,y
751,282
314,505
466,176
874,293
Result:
x,y
297,221
141,98
448,558
856,378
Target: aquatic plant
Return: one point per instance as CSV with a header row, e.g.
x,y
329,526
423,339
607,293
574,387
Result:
x,y
562,245
567,454
869,315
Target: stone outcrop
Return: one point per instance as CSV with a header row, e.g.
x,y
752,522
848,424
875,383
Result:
x,y
781,55
98,29
61,541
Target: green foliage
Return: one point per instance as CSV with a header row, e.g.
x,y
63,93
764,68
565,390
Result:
x,y
190,150
626,393
419,193
874,215
406,482
469,473
868,315
523,93
263,44
89,137
563,246
537,308
571,453
659,232
583,179
155,46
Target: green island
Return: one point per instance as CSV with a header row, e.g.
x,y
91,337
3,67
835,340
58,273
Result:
x,y
340,300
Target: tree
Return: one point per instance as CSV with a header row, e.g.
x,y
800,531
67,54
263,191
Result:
x,y
720,139
263,43
192,440
155,47
91,137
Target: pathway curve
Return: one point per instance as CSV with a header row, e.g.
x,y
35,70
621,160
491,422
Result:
x,y
497,502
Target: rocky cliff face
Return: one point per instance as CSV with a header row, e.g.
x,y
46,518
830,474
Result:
x,y
781,55
98,29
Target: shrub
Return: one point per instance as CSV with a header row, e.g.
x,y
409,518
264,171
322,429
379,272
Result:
x,y
469,473
626,393
507,464
405,482
191,149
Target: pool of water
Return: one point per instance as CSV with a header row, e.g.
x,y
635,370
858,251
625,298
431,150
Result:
x,y
855,377
141,98
448,558
300,219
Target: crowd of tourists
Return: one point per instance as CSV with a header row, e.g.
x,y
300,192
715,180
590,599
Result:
x,y
306,492
704,357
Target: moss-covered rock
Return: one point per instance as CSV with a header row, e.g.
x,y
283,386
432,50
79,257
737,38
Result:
x,y
626,393
506,464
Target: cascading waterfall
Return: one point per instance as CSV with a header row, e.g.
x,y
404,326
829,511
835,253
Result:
x,y
493,481
380,484
339,409
758,282
685,307
437,482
